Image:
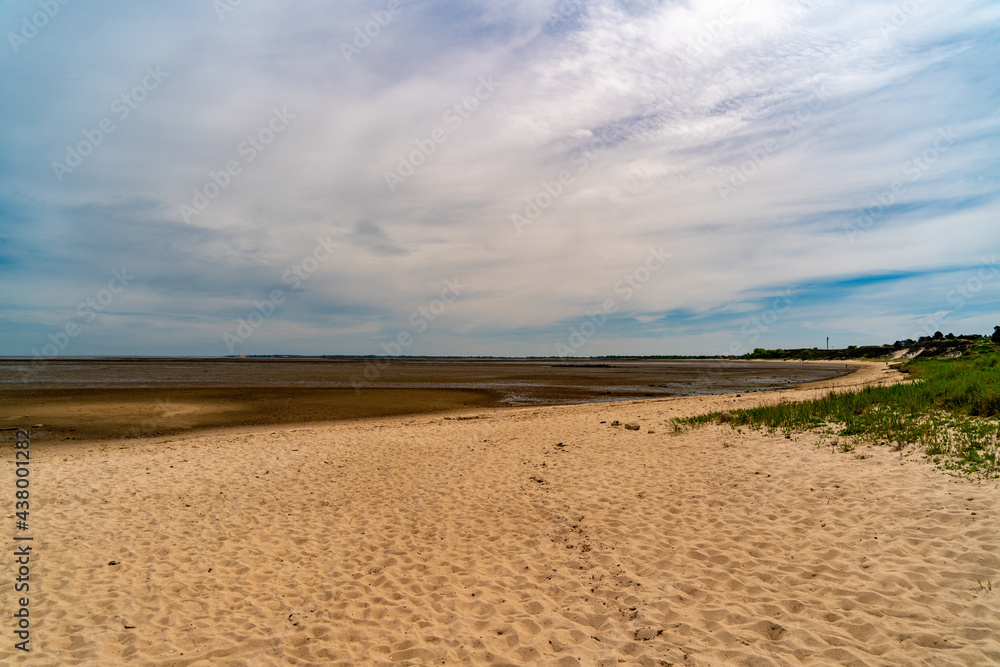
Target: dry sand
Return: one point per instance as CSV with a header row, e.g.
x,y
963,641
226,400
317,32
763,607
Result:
x,y
523,536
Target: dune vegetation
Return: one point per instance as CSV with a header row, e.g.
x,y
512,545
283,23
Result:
x,y
950,409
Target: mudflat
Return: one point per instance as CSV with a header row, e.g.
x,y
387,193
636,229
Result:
x,y
84,399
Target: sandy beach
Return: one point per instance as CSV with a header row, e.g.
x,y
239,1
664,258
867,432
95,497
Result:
x,y
539,535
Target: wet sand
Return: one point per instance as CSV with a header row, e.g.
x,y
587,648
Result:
x,y
96,414
85,399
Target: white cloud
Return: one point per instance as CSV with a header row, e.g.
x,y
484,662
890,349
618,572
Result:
x,y
671,99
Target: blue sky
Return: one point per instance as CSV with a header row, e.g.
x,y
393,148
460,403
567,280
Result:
x,y
590,177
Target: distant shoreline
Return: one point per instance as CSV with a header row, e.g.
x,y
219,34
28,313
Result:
x,y
92,399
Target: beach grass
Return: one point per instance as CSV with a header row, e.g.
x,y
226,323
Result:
x,y
950,409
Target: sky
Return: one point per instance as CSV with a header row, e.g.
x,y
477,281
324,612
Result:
x,y
475,177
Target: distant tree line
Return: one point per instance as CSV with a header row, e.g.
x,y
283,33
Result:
x,y
938,336
926,346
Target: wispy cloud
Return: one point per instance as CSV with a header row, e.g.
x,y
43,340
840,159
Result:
x,y
747,137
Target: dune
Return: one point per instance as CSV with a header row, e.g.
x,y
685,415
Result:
x,y
509,536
